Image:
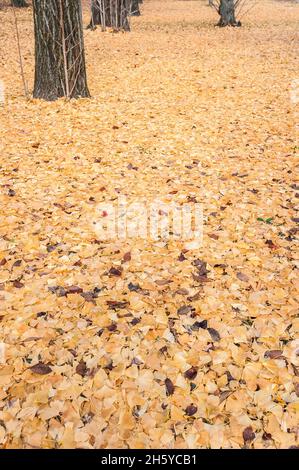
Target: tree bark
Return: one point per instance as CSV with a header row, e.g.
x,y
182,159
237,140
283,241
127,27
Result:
x,y
100,14
19,3
110,13
135,10
227,13
59,50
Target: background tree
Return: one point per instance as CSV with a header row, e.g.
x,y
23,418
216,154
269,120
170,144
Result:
x,y
59,50
135,10
19,3
110,13
230,10
100,14
227,11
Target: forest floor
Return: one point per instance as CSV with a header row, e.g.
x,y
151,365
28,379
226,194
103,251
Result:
x,y
138,343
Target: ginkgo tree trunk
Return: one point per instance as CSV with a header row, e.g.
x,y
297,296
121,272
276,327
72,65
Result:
x,y
59,50
110,13
135,10
19,3
227,12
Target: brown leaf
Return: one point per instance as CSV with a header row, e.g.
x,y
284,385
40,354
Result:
x,y
191,410
198,278
58,290
115,271
199,324
41,369
51,248
266,436
89,296
18,284
134,287
127,257
74,290
112,327
271,244
78,263
248,434
182,291
201,267
17,263
162,282
213,236
184,310
273,354
169,387
115,305
191,373
81,368
214,334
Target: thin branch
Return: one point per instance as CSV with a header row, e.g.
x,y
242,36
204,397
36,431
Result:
x,y
67,84
20,54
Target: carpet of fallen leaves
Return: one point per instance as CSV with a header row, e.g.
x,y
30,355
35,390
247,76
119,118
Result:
x,y
136,343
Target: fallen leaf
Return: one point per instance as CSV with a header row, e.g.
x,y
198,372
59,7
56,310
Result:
x,y
169,387
191,373
41,369
191,410
214,334
248,434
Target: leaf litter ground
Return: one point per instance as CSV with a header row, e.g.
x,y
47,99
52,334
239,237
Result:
x,y
136,343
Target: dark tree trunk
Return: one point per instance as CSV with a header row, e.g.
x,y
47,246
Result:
x,y
110,13
135,11
100,14
227,13
59,50
19,3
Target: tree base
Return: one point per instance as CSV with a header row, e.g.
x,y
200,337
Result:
x,y
227,14
235,24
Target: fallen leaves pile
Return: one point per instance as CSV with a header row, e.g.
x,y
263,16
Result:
x,y
138,343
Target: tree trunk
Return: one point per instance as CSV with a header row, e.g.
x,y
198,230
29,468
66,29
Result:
x,y
110,13
135,11
59,50
227,13
19,3
100,14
